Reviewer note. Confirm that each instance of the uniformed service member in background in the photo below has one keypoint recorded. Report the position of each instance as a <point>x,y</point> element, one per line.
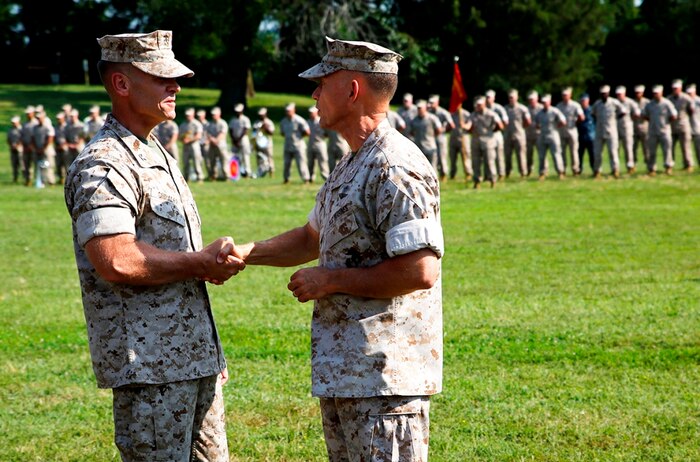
<point>515,141</point>
<point>93,122</point>
<point>424,130</point>
<point>549,121</point>
<point>396,121</point>
<point>14,144</point>
<point>484,124</point>
<point>318,151</point>
<point>447,126</point>
<point>168,133</point>
<point>239,127</point>
<point>586,133</point>
<point>28,151</point>
<point>500,141</point>
<point>43,136</point>
<point>337,148</point>
<point>641,125</point>
<point>680,128</point>
<point>460,146</point>
<point>531,132</point>
<point>218,155</point>
<point>606,111</point>
<point>376,329</point>
<point>569,133</point>
<point>61,147</point>
<point>408,110</point>
<point>263,128</point>
<point>201,116</point>
<point>142,266</point>
<point>190,134</point>
<point>625,126</point>
<point>660,113</point>
<point>294,128</point>
<point>691,90</point>
<point>75,135</point>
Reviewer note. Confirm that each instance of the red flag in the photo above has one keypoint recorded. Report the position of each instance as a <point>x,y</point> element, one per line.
<point>458,92</point>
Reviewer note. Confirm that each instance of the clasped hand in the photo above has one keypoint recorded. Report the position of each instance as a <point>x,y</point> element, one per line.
<point>221,264</point>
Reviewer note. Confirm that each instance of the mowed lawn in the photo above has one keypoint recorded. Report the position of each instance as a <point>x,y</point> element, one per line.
<point>572,323</point>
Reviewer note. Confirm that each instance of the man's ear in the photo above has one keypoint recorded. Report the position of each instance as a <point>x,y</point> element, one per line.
<point>120,83</point>
<point>355,90</point>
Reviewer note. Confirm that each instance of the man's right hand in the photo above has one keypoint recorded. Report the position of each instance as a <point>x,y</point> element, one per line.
<point>222,263</point>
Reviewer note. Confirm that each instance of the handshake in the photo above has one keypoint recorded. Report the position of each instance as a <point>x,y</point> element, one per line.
<point>221,261</point>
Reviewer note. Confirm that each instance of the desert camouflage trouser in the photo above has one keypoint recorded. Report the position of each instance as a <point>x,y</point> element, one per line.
<point>181,421</point>
<point>378,429</point>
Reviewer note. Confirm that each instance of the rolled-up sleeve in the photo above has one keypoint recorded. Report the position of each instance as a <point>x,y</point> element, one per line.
<point>104,204</point>
<point>415,235</point>
<point>104,222</point>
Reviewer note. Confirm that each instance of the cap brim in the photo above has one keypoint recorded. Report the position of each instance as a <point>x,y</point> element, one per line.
<point>168,69</point>
<point>319,70</point>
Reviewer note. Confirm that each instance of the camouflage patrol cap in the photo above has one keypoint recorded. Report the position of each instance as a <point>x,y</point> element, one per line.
<point>678,83</point>
<point>238,108</point>
<point>605,89</point>
<point>657,89</point>
<point>189,111</point>
<point>30,110</point>
<point>567,91</point>
<point>490,94</point>
<point>639,89</point>
<point>15,119</point>
<point>354,56</point>
<point>690,88</point>
<point>152,53</point>
<point>546,98</point>
<point>532,95</point>
<point>421,103</point>
<point>262,111</point>
<point>620,89</point>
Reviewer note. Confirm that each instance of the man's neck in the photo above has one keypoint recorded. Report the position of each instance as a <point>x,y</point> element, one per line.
<point>356,135</point>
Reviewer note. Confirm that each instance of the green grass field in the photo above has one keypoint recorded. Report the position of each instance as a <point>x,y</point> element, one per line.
<point>572,319</point>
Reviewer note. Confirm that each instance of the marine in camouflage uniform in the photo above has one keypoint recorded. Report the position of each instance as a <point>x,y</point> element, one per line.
<point>660,113</point>
<point>14,144</point>
<point>151,331</point>
<point>625,126</point>
<point>28,150</point>
<point>408,110</point>
<point>531,132</point>
<point>263,128</point>
<point>239,127</point>
<point>75,136</point>
<point>191,132</point>
<point>548,121</point>
<point>318,151</point>
<point>61,146</point>
<point>498,135</point>
<point>448,125</point>
<point>376,333</point>
<point>460,145</point>
<point>569,133</point>
<point>424,130</point>
<point>641,126</point>
<point>337,148</point>
<point>484,124</point>
<point>93,122</point>
<point>218,155</point>
<point>42,140</point>
<point>294,128</point>
<point>681,132</point>
<point>691,90</point>
<point>167,133</point>
<point>605,112</point>
<point>515,137</point>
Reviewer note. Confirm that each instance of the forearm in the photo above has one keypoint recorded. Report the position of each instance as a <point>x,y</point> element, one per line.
<point>396,276</point>
<point>393,277</point>
<point>122,259</point>
<point>295,247</point>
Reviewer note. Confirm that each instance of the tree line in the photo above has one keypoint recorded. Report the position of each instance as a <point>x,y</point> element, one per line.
<point>543,45</point>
